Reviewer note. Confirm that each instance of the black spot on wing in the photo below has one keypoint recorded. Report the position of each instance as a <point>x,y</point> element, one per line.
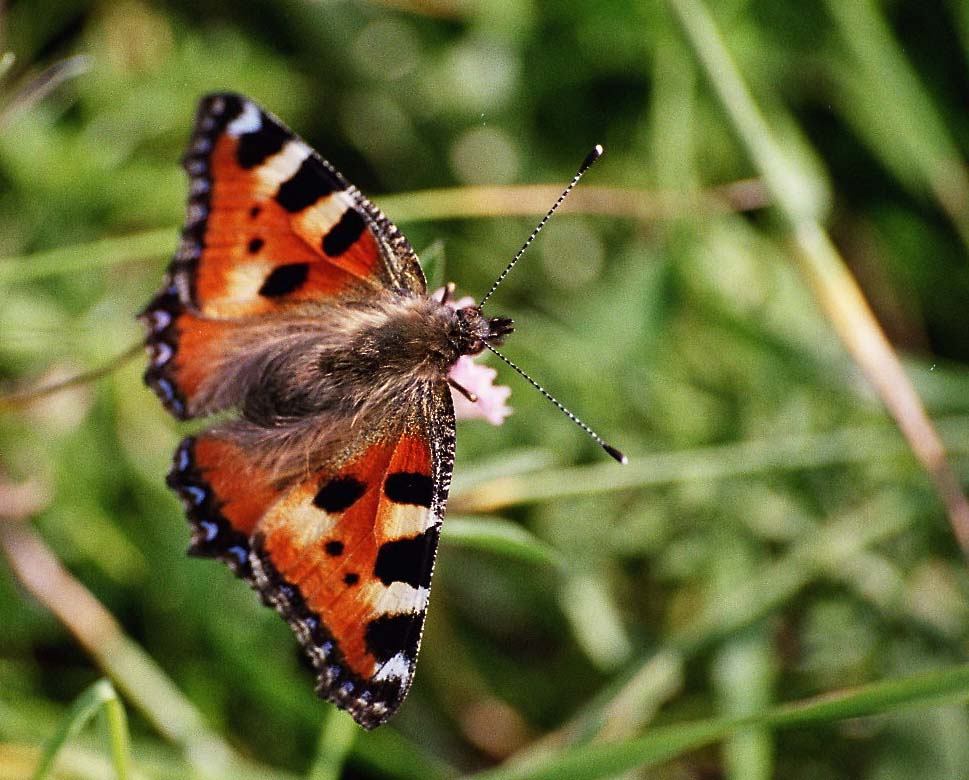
<point>388,635</point>
<point>407,560</point>
<point>232,107</point>
<point>334,548</point>
<point>344,233</point>
<point>255,245</point>
<point>255,148</point>
<point>311,182</point>
<point>351,578</point>
<point>407,487</point>
<point>339,494</point>
<point>285,279</point>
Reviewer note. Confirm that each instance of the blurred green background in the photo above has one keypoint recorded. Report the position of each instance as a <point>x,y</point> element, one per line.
<point>773,538</point>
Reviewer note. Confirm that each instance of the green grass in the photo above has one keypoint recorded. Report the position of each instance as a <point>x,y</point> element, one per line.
<point>759,294</point>
<point>98,700</point>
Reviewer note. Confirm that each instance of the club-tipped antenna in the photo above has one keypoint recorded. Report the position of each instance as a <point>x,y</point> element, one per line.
<point>590,158</point>
<point>613,452</point>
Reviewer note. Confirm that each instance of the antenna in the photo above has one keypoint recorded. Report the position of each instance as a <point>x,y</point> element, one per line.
<point>591,157</point>
<point>595,436</point>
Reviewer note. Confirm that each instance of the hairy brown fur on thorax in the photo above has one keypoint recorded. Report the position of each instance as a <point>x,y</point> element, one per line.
<point>310,380</point>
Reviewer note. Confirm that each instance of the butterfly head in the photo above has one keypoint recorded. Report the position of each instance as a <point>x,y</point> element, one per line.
<point>475,330</point>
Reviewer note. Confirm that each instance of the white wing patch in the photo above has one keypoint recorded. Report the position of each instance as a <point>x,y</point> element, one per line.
<point>281,166</point>
<point>397,598</point>
<point>401,521</point>
<point>398,668</point>
<point>249,121</point>
<point>304,523</point>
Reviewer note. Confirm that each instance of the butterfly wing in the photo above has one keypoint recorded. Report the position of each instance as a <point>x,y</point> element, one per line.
<point>270,226</point>
<point>343,549</point>
<point>345,554</point>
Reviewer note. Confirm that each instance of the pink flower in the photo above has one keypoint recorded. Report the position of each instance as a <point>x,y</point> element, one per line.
<point>479,380</point>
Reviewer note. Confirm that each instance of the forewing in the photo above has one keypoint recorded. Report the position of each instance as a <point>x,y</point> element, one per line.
<point>270,226</point>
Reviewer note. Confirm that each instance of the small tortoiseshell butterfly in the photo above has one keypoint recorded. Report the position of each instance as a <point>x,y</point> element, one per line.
<point>295,302</point>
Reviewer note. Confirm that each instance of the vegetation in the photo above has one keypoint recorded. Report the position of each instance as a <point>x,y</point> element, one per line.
<point>759,294</point>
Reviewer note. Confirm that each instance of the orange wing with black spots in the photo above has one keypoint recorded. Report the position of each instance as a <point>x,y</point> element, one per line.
<point>270,225</point>
<point>287,281</point>
<point>347,558</point>
<point>345,555</point>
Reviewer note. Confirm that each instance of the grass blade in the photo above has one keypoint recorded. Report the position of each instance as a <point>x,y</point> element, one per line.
<point>663,744</point>
<point>455,203</point>
<point>499,536</point>
<point>336,739</point>
<point>836,289</point>
<point>85,257</point>
<point>912,138</point>
<point>850,445</point>
<point>99,698</point>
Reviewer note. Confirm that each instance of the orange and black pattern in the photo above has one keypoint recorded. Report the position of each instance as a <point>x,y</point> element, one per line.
<point>345,550</point>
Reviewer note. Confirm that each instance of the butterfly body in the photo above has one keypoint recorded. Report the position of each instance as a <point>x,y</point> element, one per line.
<point>295,304</point>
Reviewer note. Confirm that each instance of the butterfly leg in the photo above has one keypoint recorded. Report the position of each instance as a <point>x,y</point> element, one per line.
<point>472,397</point>
<point>448,292</point>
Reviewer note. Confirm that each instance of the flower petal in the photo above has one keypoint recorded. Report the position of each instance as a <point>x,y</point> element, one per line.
<point>479,380</point>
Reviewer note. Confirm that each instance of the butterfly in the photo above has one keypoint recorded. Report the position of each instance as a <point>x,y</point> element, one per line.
<point>295,304</point>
